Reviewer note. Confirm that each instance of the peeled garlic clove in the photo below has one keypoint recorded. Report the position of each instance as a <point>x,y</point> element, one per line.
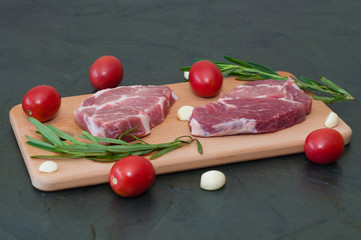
<point>186,75</point>
<point>184,113</point>
<point>331,120</point>
<point>48,167</point>
<point>212,180</point>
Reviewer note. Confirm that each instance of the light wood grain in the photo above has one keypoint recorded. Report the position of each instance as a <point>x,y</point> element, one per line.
<point>217,150</point>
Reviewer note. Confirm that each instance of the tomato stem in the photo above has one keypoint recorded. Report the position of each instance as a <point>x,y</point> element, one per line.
<point>114,180</point>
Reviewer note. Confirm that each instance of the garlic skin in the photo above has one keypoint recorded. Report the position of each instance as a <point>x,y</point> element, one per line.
<point>48,167</point>
<point>184,113</point>
<point>212,180</point>
<point>331,120</point>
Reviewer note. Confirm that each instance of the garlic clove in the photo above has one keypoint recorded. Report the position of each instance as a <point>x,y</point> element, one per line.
<point>186,75</point>
<point>184,113</point>
<point>331,120</point>
<point>212,180</point>
<point>48,167</point>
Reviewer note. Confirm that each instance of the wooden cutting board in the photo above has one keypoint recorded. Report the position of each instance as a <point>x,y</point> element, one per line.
<point>217,150</point>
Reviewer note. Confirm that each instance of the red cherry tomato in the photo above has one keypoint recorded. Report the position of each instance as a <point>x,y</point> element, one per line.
<point>41,102</point>
<point>131,176</point>
<point>106,72</point>
<point>205,78</point>
<point>324,146</point>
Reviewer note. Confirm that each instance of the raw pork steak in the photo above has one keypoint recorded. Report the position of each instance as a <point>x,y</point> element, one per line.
<point>110,112</point>
<point>286,90</point>
<point>254,107</point>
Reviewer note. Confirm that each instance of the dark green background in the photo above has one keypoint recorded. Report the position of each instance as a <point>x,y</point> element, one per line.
<point>55,42</point>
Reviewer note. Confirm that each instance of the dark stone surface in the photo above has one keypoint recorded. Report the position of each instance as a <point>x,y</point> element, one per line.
<point>55,42</point>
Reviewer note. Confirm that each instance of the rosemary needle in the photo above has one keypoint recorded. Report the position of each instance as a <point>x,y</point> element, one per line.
<point>73,148</point>
<point>249,71</point>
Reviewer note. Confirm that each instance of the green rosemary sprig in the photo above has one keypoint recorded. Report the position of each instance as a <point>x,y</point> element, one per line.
<point>66,146</point>
<point>249,71</point>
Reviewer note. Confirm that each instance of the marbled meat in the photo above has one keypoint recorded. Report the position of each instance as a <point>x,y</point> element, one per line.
<point>111,112</point>
<point>254,107</point>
